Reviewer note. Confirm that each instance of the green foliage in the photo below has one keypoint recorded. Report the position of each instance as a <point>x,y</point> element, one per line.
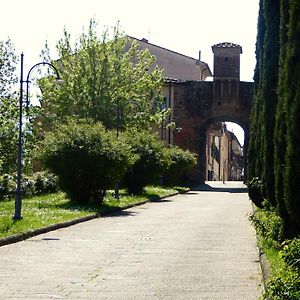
<point>7,186</point>
<point>39,183</point>
<point>277,101</point>
<point>87,159</point>
<point>45,183</point>
<point>255,191</point>
<point>181,161</point>
<point>283,285</point>
<point>255,161</point>
<point>268,225</point>
<point>36,184</point>
<point>283,257</point>
<point>291,253</point>
<point>9,114</point>
<point>8,107</point>
<point>268,93</point>
<point>8,61</point>
<point>274,151</point>
<point>108,79</point>
<point>280,142</point>
<point>152,160</point>
<point>292,102</point>
<point>261,145</point>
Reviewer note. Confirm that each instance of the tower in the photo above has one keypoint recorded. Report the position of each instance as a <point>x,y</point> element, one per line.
<point>226,72</point>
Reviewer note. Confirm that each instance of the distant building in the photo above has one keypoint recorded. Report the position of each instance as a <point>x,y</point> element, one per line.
<point>176,66</point>
<point>224,154</point>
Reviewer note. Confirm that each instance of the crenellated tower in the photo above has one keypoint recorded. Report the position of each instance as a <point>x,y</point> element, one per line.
<point>226,72</point>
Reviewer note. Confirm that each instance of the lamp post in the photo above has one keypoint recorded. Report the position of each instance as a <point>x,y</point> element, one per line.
<point>18,193</point>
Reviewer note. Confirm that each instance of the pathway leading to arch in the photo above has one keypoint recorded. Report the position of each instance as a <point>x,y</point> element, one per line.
<point>198,245</point>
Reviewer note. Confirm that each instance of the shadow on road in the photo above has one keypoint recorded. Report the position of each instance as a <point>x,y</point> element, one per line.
<point>119,213</point>
<point>158,200</point>
<point>224,189</point>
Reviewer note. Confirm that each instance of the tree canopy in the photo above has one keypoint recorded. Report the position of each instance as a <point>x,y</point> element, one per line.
<point>8,107</point>
<point>108,79</point>
<point>274,140</point>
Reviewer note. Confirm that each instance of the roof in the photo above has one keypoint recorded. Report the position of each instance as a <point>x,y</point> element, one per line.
<point>226,45</point>
<point>236,146</point>
<point>176,65</point>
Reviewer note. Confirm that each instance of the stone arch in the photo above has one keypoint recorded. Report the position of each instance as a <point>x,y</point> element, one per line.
<point>195,107</point>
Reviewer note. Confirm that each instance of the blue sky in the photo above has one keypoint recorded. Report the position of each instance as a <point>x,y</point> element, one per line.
<point>183,26</point>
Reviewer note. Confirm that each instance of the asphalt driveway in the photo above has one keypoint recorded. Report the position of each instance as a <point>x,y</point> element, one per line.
<point>198,245</point>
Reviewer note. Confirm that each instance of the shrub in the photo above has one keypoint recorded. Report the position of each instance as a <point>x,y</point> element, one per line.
<point>291,253</point>
<point>87,159</point>
<point>152,161</point>
<point>284,285</point>
<point>255,188</point>
<point>45,183</point>
<point>268,225</point>
<point>181,161</point>
<point>7,186</point>
<point>28,186</point>
<point>37,184</point>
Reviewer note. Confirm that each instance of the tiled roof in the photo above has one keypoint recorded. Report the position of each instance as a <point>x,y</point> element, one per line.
<point>226,45</point>
<point>176,66</point>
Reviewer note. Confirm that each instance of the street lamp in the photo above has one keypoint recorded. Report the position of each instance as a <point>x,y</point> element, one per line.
<point>18,194</point>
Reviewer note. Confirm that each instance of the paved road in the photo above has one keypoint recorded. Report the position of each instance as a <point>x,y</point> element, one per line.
<point>198,245</point>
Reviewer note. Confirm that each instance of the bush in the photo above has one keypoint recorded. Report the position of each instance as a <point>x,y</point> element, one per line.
<point>37,184</point>
<point>181,161</point>
<point>255,188</point>
<point>7,186</point>
<point>45,183</point>
<point>152,161</point>
<point>291,253</point>
<point>268,225</point>
<point>28,186</point>
<point>284,285</point>
<point>87,159</point>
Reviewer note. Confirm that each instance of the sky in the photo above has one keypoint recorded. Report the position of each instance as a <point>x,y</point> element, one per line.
<point>186,27</point>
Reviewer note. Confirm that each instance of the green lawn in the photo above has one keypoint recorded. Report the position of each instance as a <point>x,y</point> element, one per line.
<point>54,208</point>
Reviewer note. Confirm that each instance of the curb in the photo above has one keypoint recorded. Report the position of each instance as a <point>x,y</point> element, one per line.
<point>265,267</point>
<point>26,235</point>
<point>263,261</point>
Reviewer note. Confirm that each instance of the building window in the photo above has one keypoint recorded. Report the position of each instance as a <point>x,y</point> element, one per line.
<point>226,59</point>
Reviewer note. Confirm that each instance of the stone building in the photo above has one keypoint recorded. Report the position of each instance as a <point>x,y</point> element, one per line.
<point>196,105</point>
<point>224,154</point>
<point>177,68</point>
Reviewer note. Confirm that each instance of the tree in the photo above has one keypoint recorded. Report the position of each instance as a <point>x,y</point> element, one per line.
<point>280,142</point>
<point>255,143</point>
<point>277,103</point>
<point>269,99</point>
<point>292,102</point>
<point>261,148</point>
<point>8,107</point>
<point>107,79</point>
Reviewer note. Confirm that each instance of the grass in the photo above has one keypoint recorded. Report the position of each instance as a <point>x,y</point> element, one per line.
<point>50,209</point>
<point>284,281</point>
